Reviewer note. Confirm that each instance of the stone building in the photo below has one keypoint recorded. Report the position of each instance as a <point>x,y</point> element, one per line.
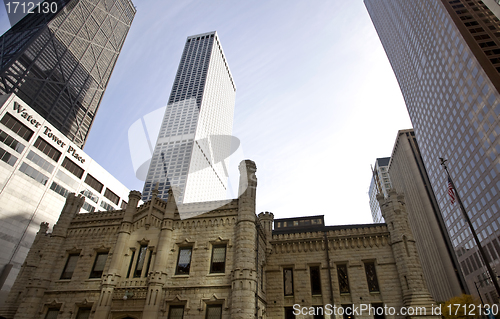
<point>145,262</point>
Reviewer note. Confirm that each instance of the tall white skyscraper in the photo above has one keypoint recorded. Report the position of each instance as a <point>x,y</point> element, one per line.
<point>194,140</point>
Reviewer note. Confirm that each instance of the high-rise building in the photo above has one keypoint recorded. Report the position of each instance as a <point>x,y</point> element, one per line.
<point>380,183</point>
<point>194,140</point>
<point>446,57</point>
<point>39,167</point>
<point>59,59</point>
<point>409,176</point>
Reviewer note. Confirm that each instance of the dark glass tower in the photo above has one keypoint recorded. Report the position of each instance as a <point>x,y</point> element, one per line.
<point>446,57</point>
<point>60,62</point>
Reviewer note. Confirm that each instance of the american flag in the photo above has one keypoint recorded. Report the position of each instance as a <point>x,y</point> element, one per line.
<point>450,191</point>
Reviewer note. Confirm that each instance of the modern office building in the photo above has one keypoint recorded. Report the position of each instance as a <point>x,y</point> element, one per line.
<point>229,263</point>
<point>194,140</point>
<point>439,262</point>
<point>380,183</point>
<point>39,167</point>
<point>59,60</point>
<point>446,57</point>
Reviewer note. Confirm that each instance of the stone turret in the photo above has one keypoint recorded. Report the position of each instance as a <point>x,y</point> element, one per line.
<point>158,275</point>
<point>415,293</point>
<point>244,275</point>
<point>266,220</point>
<point>113,276</point>
<point>40,281</point>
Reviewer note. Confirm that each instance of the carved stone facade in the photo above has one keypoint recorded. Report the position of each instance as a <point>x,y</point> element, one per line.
<point>145,262</point>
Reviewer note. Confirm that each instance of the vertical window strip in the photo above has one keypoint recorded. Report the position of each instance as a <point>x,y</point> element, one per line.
<point>131,262</point>
<point>141,257</point>
<point>288,281</point>
<point>343,279</point>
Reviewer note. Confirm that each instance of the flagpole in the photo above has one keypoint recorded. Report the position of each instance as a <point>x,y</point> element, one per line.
<point>476,239</point>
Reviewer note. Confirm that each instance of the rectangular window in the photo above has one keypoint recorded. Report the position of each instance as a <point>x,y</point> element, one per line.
<point>52,313</point>
<point>47,149</point>
<point>289,313</point>
<point>94,183</point>
<point>131,262</point>
<point>288,281</point>
<point>315,280</point>
<point>89,208</point>
<point>214,312</point>
<point>7,157</point>
<point>184,261</point>
<point>33,173</point>
<point>141,257</point>
<point>319,312</point>
<point>70,266</point>
<point>11,142</point>
<point>66,179</point>
<point>378,312</point>
<point>83,313</point>
<point>17,127</point>
<point>348,312</point>
<point>43,164</point>
<point>371,277</point>
<point>343,279</point>
<point>176,312</point>
<point>72,167</point>
<point>99,263</point>
<point>218,264</point>
<point>123,205</point>
<point>111,196</point>
<point>59,189</point>
<point>106,206</point>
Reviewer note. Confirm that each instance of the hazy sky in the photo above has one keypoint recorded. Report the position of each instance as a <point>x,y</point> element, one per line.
<point>316,101</point>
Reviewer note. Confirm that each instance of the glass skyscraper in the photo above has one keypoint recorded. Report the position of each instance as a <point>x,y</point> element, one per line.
<point>60,62</point>
<point>446,57</point>
<point>194,140</point>
<point>380,179</point>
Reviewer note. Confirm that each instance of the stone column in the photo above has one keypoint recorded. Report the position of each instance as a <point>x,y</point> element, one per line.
<point>415,293</point>
<point>158,275</point>
<point>112,277</point>
<point>244,274</point>
<point>41,279</point>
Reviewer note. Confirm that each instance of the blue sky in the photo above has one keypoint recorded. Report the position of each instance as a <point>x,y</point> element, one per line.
<point>316,101</point>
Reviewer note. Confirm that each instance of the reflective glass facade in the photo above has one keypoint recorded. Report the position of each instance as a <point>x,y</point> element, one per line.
<point>194,142</point>
<point>445,55</point>
<point>60,63</point>
<point>384,182</point>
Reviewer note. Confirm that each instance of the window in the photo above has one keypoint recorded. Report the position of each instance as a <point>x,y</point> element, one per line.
<point>214,312</point>
<point>52,313</point>
<point>176,312</point>
<point>59,189</point>
<point>7,157</point>
<point>111,196</point>
<point>218,264</point>
<point>131,262</point>
<point>98,268</point>
<point>347,312</point>
<point>106,206</point>
<point>17,127</point>
<point>141,257</point>
<point>47,149</point>
<point>378,312</point>
<point>83,313</point>
<point>289,313</point>
<point>72,167</point>
<point>43,164</point>
<point>11,142</point>
<point>123,205</point>
<point>33,173</point>
<point>69,268</point>
<point>315,280</point>
<point>94,183</point>
<point>288,281</point>
<point>371,277</point>
<point>89,208</point>
<point>184,261</point>
<point>343,279</point>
